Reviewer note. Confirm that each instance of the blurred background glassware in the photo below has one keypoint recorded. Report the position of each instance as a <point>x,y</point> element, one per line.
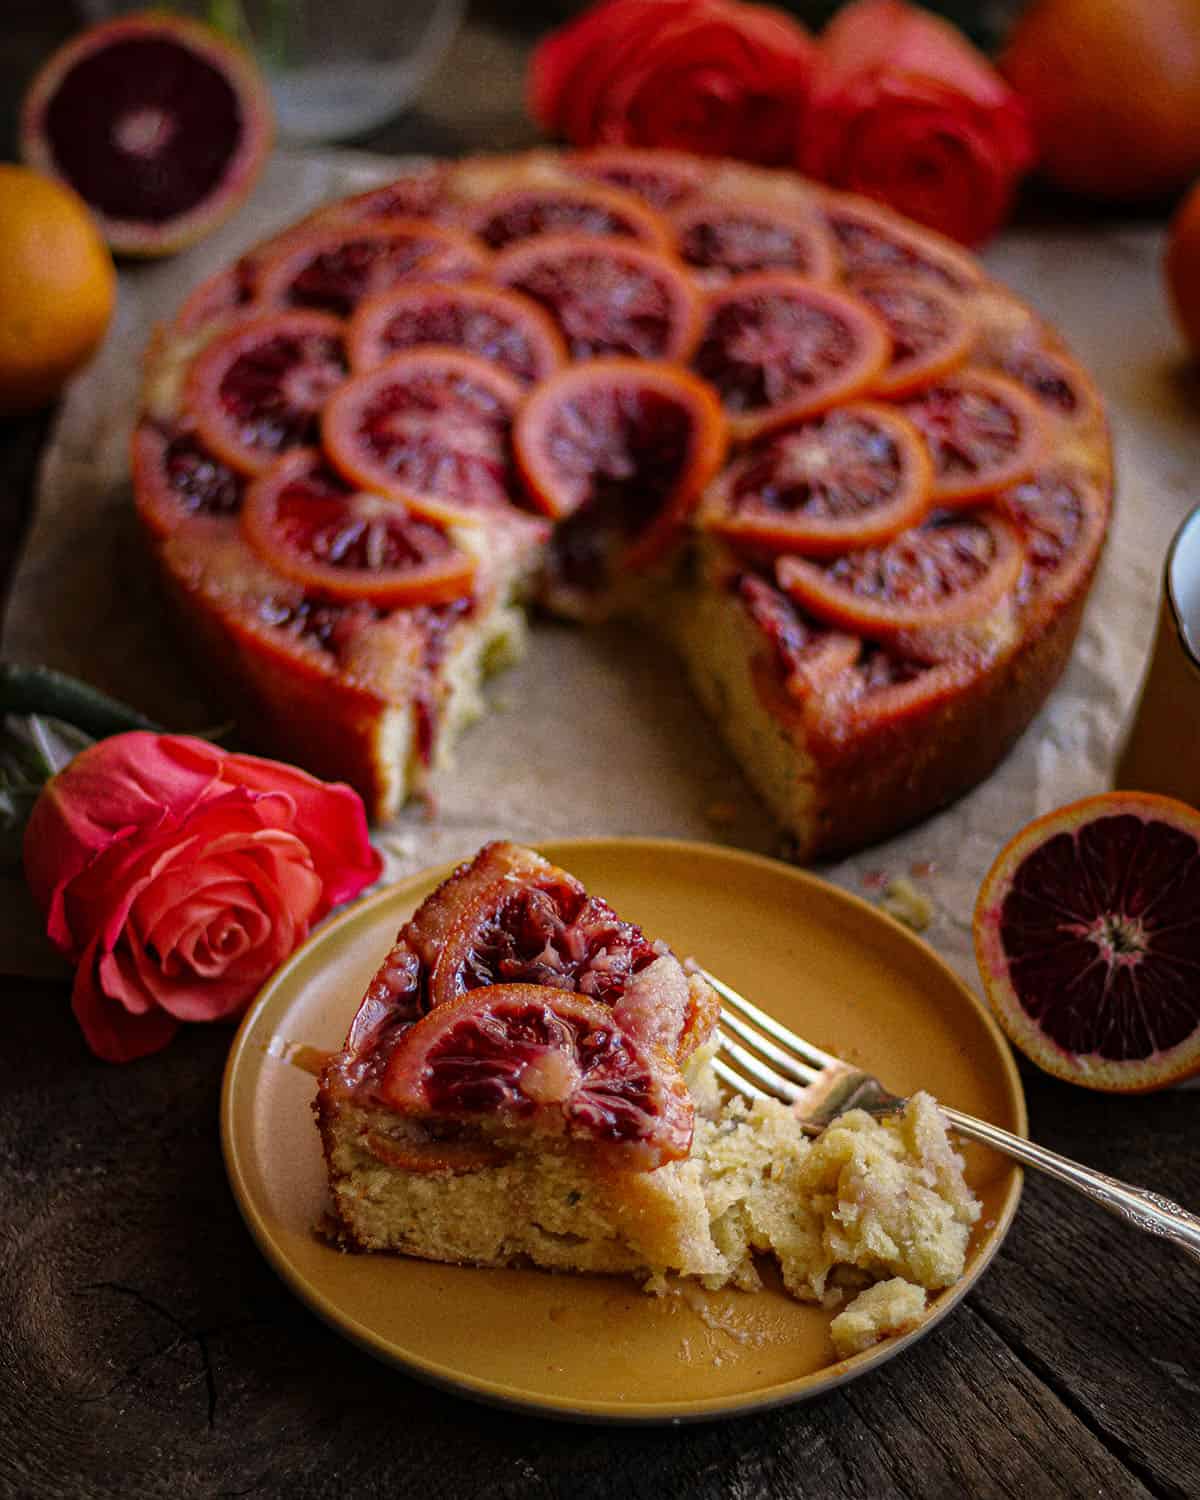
<point>336,68</point>
<point>1162,747</point>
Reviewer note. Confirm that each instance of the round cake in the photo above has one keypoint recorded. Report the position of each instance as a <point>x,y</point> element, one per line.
<point>858,487</point>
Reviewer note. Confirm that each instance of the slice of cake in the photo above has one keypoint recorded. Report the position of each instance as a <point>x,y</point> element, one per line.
<point>528,1081</point>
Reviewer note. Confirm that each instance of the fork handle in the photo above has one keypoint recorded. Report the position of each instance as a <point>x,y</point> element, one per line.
<point>1137,1206</point>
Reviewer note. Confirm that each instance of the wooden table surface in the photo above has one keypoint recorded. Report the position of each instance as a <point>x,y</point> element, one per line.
<point>147,1350</point>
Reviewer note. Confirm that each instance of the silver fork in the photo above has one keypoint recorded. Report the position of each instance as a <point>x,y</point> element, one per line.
<point>760,1058</point>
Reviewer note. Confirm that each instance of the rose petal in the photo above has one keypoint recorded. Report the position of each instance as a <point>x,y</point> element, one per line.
<point>329,819</point>
<point>110,1030</point>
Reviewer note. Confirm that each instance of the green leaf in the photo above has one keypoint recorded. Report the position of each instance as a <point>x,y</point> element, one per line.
<point>32,750</point>
<point>42,691</point>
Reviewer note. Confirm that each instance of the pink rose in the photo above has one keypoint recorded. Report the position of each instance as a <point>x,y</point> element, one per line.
<point>711,76</point>
<point>905,110</point>
<point>178,877</point>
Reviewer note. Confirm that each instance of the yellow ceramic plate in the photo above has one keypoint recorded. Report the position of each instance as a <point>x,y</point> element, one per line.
<point>597,1348</point>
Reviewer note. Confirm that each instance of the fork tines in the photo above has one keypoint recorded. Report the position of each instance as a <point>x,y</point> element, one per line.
<point>755,1044</point>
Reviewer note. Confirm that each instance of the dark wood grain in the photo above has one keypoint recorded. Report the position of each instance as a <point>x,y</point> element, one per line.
<point>146,1349</point>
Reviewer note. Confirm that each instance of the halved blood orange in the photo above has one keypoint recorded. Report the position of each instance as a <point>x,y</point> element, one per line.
<point>777,348</point>
<point>519,213</point>
<point>722,239</point>
<point>627,446</point>
<point>259,388</point>
<point>660,178</point>
<point>954,569</point>
<point>528,1059</point>
<point>334,267</point>
<point>1062,517</point>
<point>984,433</point>
<point>870,238</point>
<point>430,427</point>
<point>175,477</point>
<point>609,296</point>
<point>498,325</point>
<point>340,543</point>
<point>932,328</point>
<point>1087,936</point>
<point>852,478</point>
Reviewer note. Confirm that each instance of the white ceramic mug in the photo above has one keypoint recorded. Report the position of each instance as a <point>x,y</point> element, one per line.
<point>1162,748</point>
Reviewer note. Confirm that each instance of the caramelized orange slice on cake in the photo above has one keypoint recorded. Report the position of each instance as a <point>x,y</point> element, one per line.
<point>429,427</point>
<point>720,239</point>
<point>1062,517</point>
<point>334,267</point>
<point>954,569</point>
<point>984,433</point>
<point>259,388</point>
<point>521,213</point>
<point>608,296</point>
<point>777,348</point>
<point>340,543</point>
<point>528,1060</point>
<point>502,327</point>
<point>871,238</point>
<point>176,478</point>
<point>932,328</point>
<point>623,448</point>
<point>852,478</point>
<point>660,178</point>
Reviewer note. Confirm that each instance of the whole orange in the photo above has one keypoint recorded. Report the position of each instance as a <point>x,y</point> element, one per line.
<point>1183,267</point>
<point>57,288</point>
<point>1114,90</point>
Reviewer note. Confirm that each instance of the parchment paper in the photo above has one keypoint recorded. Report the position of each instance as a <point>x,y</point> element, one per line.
<point>596,732</point>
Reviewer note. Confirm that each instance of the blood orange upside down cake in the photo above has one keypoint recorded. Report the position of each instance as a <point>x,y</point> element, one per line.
<point>528,1081</point>
<point>860,488</point>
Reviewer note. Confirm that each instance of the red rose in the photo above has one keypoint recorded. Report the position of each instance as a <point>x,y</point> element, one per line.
<point>905,110</point>
<point>178,877</point>
<point>710,76</point>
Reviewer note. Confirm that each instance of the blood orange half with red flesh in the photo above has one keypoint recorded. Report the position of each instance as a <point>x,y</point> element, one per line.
<point>159,123</point>
<point>607,296</point>
<point>932,328</point>
<point>954,569</point>
<point>334,267</point>
<point>1087,935</point>
<point>721,239</point>
<point>854,477</point>
<point>984,433</point>
<point>176,478</point>
<point>623,448</point>
<point>341,543</point>
<point>259,388</point>
<point>430,427</point>
<point>777,348</point>
<point>522,213</point>
<point>525,1060</point>
<point>871,239</point>
<point>500,326</point>
<point>660,178</point>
